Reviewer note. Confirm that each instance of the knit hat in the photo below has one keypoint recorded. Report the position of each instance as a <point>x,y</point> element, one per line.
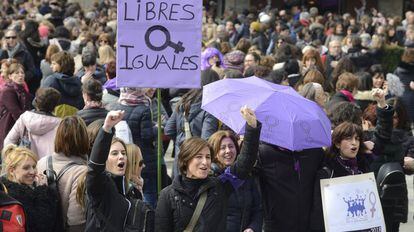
<point>234,60</point>
<point>256,26</point>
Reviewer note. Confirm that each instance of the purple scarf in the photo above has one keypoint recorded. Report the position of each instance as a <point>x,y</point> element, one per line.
<point>351,164</point>
<point>228,176</point>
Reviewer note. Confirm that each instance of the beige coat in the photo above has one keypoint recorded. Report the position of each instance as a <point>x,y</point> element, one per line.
<point>75,215</point>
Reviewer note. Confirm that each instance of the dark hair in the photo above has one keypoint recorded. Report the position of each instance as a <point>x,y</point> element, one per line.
<point>110,69</point>
<point>344,65</point>
<point>189,149</point>
<point>376,68</point>
<point>345,112</point>
<point>47,99</point>
<point>88,59</point>
<point>256,56</point>
<point>249,72</point>
<point>93,89</point>
<point>233,74</point>
<point>364,81</point>
<point>277,76</point>
<point>345,130</point>
<point>62,32</point>
<point>291,66</point>
<point>401,113</point>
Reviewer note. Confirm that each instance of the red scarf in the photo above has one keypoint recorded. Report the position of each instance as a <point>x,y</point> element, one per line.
<point>348,95</point>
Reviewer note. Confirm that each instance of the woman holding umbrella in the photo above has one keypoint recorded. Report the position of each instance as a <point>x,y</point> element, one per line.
<point>197,202</point>
<point>244,209</point>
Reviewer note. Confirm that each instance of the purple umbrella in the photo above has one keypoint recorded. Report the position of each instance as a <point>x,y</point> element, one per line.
<point>288,119</point>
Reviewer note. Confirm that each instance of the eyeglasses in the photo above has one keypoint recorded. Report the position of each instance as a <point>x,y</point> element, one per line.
<point>104,41</point>
<point>11,37</point>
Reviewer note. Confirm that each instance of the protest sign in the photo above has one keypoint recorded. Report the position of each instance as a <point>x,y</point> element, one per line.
<point>159,43</point>
<point>352,203</point>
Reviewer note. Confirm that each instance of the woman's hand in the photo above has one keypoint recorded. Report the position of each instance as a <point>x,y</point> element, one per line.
<point>408,163</point>
<point>138,182</point>
<point>379,96</point>
<point>112,118</point>
<point>40,179</point>
<point>249,116</point>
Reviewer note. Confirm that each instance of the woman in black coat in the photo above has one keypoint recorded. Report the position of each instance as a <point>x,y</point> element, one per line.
<point>23,183</point>
<point>107,204</point>
<point>244,208</point>
<point>178,201</point>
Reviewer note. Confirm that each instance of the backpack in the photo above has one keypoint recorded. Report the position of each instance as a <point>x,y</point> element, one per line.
<point>12,216</point>
<point>392,189</point>
<point>141,217</point>
<point>53,183</point>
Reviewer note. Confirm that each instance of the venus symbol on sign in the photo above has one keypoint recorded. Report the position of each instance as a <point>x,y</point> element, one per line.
<point>178,47</point>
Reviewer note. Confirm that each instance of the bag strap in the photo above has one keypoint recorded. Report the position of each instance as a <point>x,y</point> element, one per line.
<point>51,174</point>
<point>187,129</point>
<point>197,212</point>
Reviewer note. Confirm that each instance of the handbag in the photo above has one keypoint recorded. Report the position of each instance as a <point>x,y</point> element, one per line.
<point>197,212</point>
<point>24,140</point>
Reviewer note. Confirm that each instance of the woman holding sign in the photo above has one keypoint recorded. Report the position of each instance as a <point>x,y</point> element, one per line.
<point>349,156</point>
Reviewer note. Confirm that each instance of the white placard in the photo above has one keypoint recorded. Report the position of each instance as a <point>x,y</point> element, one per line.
<point>352,203</point>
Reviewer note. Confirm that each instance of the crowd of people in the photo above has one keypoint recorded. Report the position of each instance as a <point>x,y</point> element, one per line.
<point>66,165</point>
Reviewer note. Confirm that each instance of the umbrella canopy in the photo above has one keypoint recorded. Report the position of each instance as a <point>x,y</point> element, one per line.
<point>288,119</point>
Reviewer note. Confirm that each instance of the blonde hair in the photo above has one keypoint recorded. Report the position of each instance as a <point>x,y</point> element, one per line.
<point>106,54</point>
<point>133,152</point>
<point>13,155</point>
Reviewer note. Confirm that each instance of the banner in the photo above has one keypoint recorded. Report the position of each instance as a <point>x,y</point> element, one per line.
<point>159,43</point>
<point>352,203</point>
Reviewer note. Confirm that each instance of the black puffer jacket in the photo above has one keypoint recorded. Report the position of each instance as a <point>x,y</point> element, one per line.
<point>176,204</point>
<point>39,204</point>
<point>107,206</point>
<point>92,114</point>
<point>244,208</point>
<point>286,183</point>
